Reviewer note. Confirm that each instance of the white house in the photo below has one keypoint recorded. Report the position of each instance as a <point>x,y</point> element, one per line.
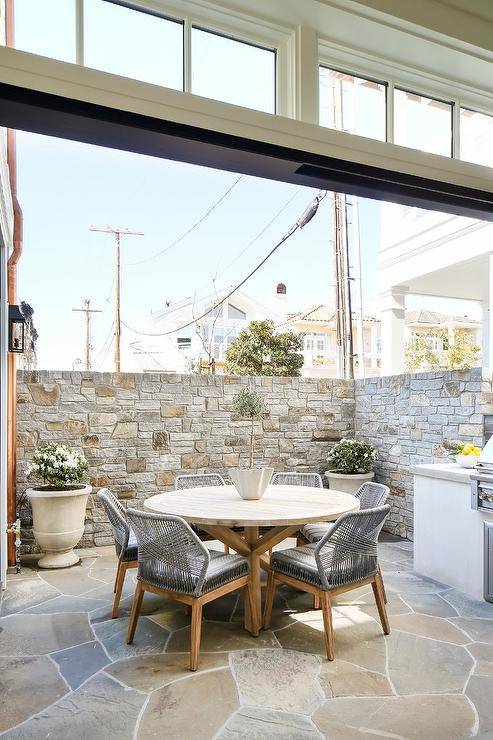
<point>178,337</point>
<point>432,254</point>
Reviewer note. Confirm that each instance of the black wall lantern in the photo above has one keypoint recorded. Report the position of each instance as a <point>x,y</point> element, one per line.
<point>16,329</point>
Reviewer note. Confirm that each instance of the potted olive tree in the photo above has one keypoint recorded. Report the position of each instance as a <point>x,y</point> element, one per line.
<point>250,482</point>
<point>351,462</point>
<point>59,505</point>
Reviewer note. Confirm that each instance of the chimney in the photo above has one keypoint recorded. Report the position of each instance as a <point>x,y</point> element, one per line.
<point>279,304</point>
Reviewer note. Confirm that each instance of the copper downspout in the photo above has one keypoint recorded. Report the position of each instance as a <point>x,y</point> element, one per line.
<point>12,298</point>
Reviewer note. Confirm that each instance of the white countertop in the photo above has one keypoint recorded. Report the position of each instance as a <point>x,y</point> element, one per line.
<point>445,471</point>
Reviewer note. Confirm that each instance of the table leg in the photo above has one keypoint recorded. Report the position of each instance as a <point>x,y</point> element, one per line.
<point>253,620</point>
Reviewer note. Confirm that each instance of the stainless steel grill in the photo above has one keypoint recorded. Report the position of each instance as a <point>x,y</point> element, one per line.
<point>482,480</point>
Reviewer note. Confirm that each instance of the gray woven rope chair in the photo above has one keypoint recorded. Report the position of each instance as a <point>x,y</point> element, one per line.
<point>125,542</point>
<point>369,494</point>
<point>174,562</point>
<point>297,479</point>
<point>345,558</point>
<point>194,480</point>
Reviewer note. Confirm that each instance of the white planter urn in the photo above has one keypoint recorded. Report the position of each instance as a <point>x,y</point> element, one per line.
<point>58,522</point>
<point>347,482</point>
<point>251,483</point>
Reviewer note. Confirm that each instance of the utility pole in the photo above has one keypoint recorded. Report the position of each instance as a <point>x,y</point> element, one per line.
<point>342,287</point>
<point>117,233</point>
<point>87,335</point>
<point>359,286</point>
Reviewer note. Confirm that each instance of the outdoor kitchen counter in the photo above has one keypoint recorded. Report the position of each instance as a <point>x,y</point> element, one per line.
<point>448,533</point>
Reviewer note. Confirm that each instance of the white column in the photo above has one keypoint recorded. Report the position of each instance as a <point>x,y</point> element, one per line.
<point>487,307</point>
<point>306,86</point>
<point>392,314</point>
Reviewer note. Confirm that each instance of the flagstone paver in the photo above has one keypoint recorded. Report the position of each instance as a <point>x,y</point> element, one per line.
<point>38,634</point>
<point>77,664</point>
<point>255,723</point>
<point>99,710</point>
<point>24,593</point>
<point>18,677</point>
<point>265,678</point>
<point>194,708</point>
<point>66,671</point>
<point>411,717</point>
<point>443,667</point>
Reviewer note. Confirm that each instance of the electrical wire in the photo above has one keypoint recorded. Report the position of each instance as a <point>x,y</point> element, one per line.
<point>305,217</point>
<point>190,229</point>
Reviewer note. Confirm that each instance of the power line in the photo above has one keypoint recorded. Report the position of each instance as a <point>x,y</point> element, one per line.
<point>189,230</point>
<point>305,217</point>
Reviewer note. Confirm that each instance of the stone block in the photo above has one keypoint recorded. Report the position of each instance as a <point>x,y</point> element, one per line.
<point>44,395</point>
<point>136,465</point>
<point>194,461</point>
<point>231,460</point>
<point>171,411</point>
<point>326,435</point>
<point>91,440</point>
<point>105,391</point>
<point>200,446</point>
<point>100,481</point>
<point>160,441</point>
<point>102,419</point>
<point>125,430</point>
<point>165,478</point>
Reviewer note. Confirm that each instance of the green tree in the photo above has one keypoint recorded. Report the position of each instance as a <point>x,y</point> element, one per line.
<point>460,354</point>
<point>259,350</point>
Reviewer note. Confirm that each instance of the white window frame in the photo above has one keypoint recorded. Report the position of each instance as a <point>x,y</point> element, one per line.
<point>235,25</point>
<point>395,75</point>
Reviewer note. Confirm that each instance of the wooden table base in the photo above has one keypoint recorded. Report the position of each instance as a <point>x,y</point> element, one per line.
<point>253,546</point>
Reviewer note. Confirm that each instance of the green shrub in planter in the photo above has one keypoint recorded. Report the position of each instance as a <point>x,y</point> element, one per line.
<point>350,456</point>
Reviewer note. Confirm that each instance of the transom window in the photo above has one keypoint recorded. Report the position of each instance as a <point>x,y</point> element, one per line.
<point>476,137</point>
<point>422,123</point>
<point>353,104</point>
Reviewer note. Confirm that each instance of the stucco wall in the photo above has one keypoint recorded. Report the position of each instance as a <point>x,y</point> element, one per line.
<point>139,431</point>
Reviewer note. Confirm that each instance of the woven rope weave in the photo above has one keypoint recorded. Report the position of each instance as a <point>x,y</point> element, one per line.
<point>369,494</point>
<point>125,544</point>
<point>195,480</point>
<point>346,554</point>
<point>297,479</point>
<point>171,556</point>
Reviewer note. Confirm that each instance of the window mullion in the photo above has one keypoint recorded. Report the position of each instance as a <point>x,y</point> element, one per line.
<point>187,54</point>
<point>79,32</point>
<point>390,112</point>
<point>456,129</point>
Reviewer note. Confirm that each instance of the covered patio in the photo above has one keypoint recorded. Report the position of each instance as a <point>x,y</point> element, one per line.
<point>64,660</point>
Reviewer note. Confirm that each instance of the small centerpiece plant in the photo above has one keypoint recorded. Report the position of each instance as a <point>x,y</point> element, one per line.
<point>350,464</point>
<point>59,504</point>
<point>58,465</point>
<point>250,483</point>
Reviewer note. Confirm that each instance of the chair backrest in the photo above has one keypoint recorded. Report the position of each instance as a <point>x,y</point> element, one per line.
<point>171,555</point>
<point>372,495</point>
<point>117,516</point>
<point>348,552</point>
<point>195,480</point>
<point>297,479</point>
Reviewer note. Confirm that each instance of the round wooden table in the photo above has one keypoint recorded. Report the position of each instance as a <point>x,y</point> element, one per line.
<point>283,510</point>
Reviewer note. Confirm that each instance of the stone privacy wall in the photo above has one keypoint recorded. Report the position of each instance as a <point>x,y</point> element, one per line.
<point>411,419</point>
<point>138,431</point>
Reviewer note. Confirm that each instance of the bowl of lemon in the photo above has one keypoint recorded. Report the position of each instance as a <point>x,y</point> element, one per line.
<point>467,455</point>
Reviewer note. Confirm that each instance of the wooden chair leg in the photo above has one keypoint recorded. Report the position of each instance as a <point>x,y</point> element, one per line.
<point>378,591</point>
<point>116,577</point>
<point>329,632</point>
<point>195,631</point>
<point>134,614</point>
<point>120,580</point>
<point>384,593</point>
<point>254,622</point>
<point>269,600</point>
<point>316,601</point>
<point>226,549</point>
